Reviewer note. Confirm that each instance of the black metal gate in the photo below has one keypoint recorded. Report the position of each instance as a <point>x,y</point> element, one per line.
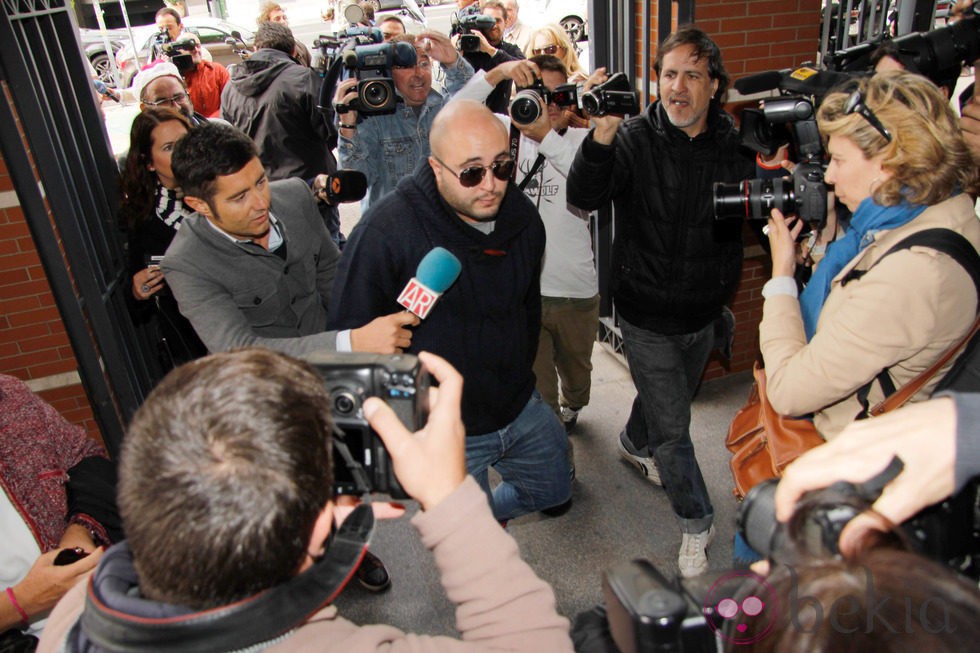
<point>54,142</point>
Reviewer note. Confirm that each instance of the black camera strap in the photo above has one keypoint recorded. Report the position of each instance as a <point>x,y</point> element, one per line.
<point>515,148</point>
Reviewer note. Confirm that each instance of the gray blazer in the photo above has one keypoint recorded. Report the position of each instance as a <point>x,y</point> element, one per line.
<point>240,295</point>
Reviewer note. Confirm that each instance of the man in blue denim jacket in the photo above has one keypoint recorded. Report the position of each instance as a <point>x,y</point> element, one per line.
<point>387,147</point>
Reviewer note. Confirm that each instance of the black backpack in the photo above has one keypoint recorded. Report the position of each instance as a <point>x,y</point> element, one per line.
<point>948,531</point>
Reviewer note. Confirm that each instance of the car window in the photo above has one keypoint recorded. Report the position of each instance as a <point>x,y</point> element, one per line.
<point>209,35</point>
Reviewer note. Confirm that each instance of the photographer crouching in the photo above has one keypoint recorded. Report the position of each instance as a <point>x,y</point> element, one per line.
<point>232,542</point>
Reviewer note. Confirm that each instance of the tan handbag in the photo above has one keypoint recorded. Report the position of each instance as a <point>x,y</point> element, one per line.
<point>762,441</point>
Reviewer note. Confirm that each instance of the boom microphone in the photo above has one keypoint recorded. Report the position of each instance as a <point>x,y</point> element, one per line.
<point>436,272</point>
<point>759,82</point>
<point>345,186</point>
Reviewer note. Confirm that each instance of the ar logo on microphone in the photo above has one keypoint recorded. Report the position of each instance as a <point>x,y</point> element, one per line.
<point>418,298</point>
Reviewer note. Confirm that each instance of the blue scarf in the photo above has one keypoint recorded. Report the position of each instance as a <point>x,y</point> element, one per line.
<point>868,219</point>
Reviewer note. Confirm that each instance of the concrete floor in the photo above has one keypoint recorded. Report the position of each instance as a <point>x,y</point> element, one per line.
<point>616,514</point>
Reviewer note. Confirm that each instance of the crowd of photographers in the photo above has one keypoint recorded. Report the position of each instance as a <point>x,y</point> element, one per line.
<point>476,197</point>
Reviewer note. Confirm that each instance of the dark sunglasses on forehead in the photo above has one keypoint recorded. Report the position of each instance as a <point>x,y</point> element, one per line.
<point>473,175</point>
<point>855,104</point>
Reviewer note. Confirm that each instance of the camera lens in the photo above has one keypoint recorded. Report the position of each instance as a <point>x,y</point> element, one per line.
<point>757,517</point>
<point>731,200</point>
<point>592,104</point>
<point>767,194</point>
<point>524,109</point>
<point>753,198</point>
<point>344,403</point>
<point>375,94</point>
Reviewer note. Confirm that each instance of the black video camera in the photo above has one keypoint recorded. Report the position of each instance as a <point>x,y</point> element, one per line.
<point>525,107</point>
<point>372,65</point>
<point>179,53</point>
<point>350,379</point>
<point>805,194</point>
<point>614,96</point>
<point>465,26</point>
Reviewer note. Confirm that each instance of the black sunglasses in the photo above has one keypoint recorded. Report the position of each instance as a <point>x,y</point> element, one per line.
<point>473,175</point>
<point>855,104</point>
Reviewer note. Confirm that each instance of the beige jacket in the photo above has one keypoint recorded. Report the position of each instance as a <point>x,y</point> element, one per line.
<point>500,604</point>
<point>902,315</point>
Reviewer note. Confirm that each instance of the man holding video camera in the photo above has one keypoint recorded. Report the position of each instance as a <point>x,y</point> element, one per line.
<point>273,99</point>
<point>205,79</point>
<point>232,543</point>
<point>388,146</point>
<point>482,44</point>
<point>676,266</point>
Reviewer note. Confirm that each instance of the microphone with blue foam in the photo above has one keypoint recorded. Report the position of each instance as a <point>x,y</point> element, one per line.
<point>437,271</point>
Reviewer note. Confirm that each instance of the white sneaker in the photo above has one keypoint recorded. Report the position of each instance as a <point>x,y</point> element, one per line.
<point>693,557</point>
<point>648,466</point>
<point>569,416</point>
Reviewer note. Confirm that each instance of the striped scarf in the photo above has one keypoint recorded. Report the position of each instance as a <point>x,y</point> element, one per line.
<point>170,206</point>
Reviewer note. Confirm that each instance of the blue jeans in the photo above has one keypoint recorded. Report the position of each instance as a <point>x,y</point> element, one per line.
<point>531,456</point>
<point>666,371</point>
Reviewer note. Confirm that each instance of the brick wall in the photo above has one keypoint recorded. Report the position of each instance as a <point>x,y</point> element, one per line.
<point>33,343</point>
<point>754,36</point>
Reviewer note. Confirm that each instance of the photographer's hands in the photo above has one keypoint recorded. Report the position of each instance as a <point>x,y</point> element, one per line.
<point>430,463</point>
<point>345,94</point>
<point>605,126</point>
<point>438,46</point>
<point>782,242</point>
<point>923,435</point>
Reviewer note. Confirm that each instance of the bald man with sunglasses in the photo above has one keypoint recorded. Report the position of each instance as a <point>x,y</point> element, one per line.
<point>487,323</point>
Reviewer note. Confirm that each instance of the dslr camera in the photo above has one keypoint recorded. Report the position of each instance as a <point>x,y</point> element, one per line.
<point>647,613</point>
<point>465,26</point>
<point>372,65</point>
<point>525,107</point>
<point>805,194</point>
<point>361,462</point>
<point>614,96</point>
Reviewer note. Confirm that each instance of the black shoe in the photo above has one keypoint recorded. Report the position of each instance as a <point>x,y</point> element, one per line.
<point>559,510</point>
<point>372,575</point>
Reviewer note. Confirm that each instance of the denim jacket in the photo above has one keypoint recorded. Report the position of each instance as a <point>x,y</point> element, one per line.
<point>387,147</point>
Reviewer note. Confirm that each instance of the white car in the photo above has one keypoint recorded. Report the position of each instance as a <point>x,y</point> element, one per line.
<point>573,15</point>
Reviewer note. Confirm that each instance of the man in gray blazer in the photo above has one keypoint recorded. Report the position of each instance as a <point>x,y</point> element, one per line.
<point>255,267</point>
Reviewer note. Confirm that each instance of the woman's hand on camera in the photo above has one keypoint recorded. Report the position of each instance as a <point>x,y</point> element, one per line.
<point>430,463</point>
<point>782,243</point>
<point>147,282</point>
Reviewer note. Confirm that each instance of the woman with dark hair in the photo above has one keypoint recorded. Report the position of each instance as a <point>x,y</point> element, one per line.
<point>868,318</point>
<point>151,212</point>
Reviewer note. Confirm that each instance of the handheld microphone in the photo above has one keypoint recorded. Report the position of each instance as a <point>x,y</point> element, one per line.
<point>345,186</point>
<point>436,272</point>
<point>105,91</point>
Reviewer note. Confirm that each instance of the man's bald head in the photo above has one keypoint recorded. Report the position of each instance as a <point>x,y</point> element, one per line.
<point>457,118</point>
